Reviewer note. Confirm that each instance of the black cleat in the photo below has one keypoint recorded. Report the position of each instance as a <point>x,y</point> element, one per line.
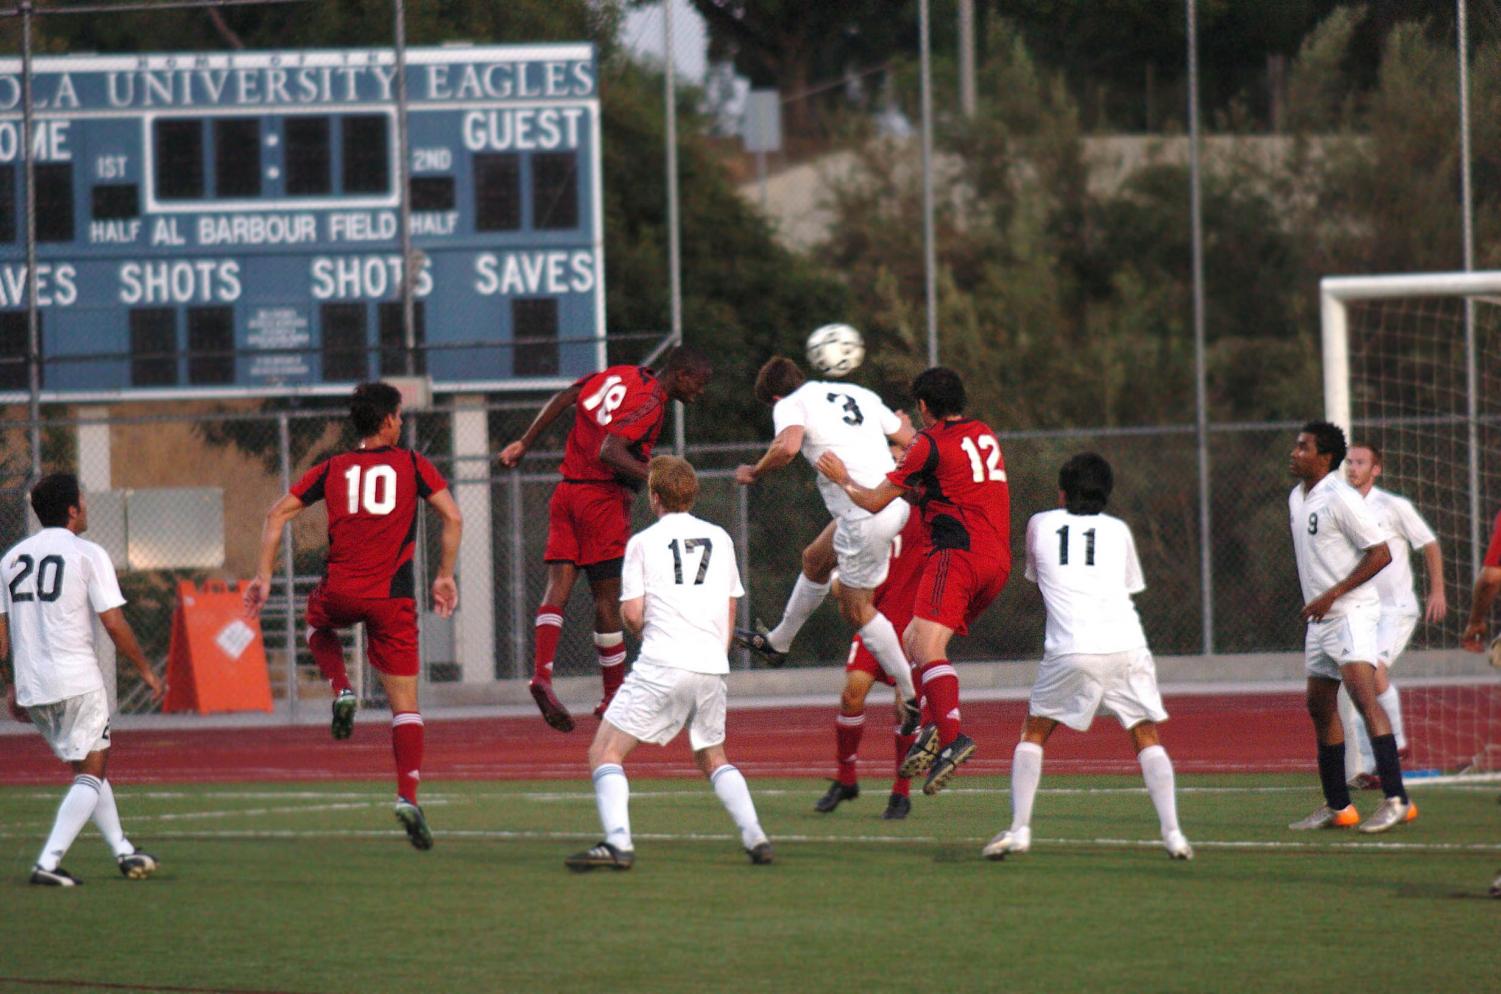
<point>136,865</point>
<point>553,711</point>
<point>345,705</point>
<point>603,854</point>
<point>760,854</point>
<point>911,716</point>
<point>837,792</point>
<point>947,763</point>
<point>897,808</point>
<point>758,643</point>
<point>921,755</point>
<point>54,878</point>
<point>412,819</point>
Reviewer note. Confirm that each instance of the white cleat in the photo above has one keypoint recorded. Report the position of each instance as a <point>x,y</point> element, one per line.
<point>1393,811</point>
<point>1009,841</point>
<point>1176,844</point>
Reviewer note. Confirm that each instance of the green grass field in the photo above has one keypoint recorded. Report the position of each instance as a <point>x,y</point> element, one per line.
<point>312,888</point>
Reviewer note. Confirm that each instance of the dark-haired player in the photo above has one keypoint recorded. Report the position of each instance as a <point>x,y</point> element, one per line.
<point>617,416</point>
<point>372,493</point>
<point>51,587</point>
<point>1095,652</point>
<point>1340,546</point>
<point>955,473</point>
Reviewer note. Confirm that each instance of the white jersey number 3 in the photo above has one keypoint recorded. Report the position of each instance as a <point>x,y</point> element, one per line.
<point>606,398</point>
<point>377,495</point>
<point>990,467</point>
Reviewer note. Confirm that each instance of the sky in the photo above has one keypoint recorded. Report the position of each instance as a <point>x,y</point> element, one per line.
<point>643,33</point>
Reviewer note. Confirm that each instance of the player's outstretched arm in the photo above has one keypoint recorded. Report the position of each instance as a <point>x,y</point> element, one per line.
<point>1438,603</point>
<point>1376,558</point>
<point>903,436</point>
<point>280,515</point>
<point>445,590</point>
<point>615,452</point>
<point>783,449</point>
<point>1487,584</point>
<point>872,500</point>
<point>510,456</point>
<point>16,711</point>
<point>124,638</point>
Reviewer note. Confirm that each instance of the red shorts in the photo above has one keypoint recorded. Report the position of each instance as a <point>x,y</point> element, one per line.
<point>956,586</point>
<point>861,661</point>
<point>587,523</point>
<point>390,626</point>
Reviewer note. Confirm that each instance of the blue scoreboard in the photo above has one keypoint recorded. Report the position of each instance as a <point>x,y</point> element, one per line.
<point>229,224</point>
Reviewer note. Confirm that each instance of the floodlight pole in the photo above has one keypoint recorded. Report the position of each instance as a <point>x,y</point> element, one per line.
<point>1201,393</point>
<point>930,260</point>
<point>674,235</point>
<point>403,188</point>
<point>33,316</point>
<point>1467,218</point>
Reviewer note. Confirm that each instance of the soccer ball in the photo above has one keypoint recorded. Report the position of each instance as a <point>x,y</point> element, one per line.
<point>835,349</point>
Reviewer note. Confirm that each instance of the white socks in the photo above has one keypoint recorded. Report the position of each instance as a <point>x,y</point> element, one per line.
<point>882,641</point>
<point>1392,703</point>
<point>1026,774</point>
<point>107,819</point>
<point>78,803</point>
<point>612,795</point>
<point>1157,771</point>
<point>734,794</point>
<point>801,603</point>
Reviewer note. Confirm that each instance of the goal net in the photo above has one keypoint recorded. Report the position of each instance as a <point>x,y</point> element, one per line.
<point>1412,364</point>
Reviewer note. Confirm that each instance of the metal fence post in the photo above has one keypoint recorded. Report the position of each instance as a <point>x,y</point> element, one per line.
<point>518,580</point>
<point>742,526</point>
<point>288,565</point>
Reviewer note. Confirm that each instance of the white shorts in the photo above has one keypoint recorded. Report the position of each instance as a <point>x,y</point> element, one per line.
<point>1072,689</point>
<point>862,544</point>
<point>74,726</point>
<point>1393,632</point>
<point>655,702</point>
<point>1333,642</point>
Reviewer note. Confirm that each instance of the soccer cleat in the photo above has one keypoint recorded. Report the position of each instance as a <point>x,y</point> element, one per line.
<point>758,643</point>
<point>837,792</point>
<point>1496,886</point>
<point>760,854</point>
<point>1327,817</point>
<point>345,705</point>
<point>136,865</point>
<point>1176,844</point>
<point>924,750</point>
<point>553,711</point>
<point>412,819</point>
<point>603,854</point>
<point>1393,811</point>
<point>1412,811</point>
<point>54,878</point>
<point>897,807</point>
<point>1010,841</point>
<point>911,716</point>
<point>604,705</point>
<point>1364,781</point>
<point>948,762</point>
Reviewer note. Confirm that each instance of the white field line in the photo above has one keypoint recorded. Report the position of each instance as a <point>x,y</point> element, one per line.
<point>900,840</point>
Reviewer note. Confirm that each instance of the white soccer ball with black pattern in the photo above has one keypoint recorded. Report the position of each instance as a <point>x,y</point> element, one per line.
<point>835,349</point>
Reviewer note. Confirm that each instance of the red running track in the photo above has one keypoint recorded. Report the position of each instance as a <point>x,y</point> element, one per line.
<point>1247,733</point>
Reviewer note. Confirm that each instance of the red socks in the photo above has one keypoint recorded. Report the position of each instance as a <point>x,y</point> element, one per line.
<point>848,728</point>
<point>406,743</point>
<point>940,686</point>
<point>549,630</point>
<point>328,653</point>
<point>610,647</point>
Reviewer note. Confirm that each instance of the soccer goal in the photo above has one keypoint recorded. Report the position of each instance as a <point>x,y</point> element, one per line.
<point>1412,364</point>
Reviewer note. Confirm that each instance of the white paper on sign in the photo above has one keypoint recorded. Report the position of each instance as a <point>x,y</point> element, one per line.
<point>234,638</point>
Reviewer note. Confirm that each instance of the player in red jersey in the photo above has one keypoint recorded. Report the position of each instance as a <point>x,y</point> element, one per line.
<point>372,495</point>
<point>618,414</point>
<point>955,473</point>
<point>1486,586</point>
<point>893,598</point>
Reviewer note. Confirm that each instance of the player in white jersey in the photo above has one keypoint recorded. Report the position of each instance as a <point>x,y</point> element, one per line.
<point>677,593</point>
<point>52,585</point>
<point>814,417</point>
<point>1340,546</point>
<point>1094,654</point>
<point>1400,610</point>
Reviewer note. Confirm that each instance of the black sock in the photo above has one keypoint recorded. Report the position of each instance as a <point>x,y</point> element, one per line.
<point>1388,765</point>
<point>1332,775</point>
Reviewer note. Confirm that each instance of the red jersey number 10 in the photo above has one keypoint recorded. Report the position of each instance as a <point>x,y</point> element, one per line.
<point>376,494</point>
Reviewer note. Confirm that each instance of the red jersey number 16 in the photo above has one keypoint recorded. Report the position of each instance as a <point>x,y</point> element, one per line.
<point>377,495</point>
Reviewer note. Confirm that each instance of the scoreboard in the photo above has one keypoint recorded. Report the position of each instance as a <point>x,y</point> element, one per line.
<point>229,224</point>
